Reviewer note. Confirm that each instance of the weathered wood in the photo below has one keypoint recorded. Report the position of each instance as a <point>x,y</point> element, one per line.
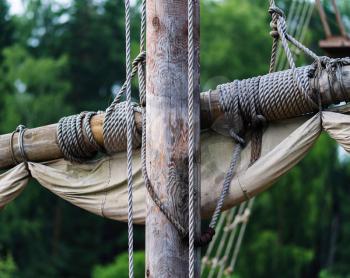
<point>167,135</point>
<point>41,143</point>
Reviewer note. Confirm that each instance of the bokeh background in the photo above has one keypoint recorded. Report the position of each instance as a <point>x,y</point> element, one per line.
<point>65,56</point>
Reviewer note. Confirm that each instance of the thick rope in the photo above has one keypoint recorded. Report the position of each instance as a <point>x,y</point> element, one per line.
<point>244,219</point>
<point>115,129</point>
<point>191,142</point>
<point>226,185</point>
<point>70,137</point>
<point>231,241</point>
<point>21,129</point>
<point>130,131</point>
<point>222,243</point>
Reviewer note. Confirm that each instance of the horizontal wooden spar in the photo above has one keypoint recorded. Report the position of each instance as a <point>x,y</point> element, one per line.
<point>41,144</point>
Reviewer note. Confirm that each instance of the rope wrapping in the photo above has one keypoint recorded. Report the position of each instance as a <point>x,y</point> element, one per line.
<point>256,100</point>
<point>115,129</point>
<point>70,137</point>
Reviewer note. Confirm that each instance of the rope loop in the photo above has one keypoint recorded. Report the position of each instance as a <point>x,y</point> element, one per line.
<point>72,140</point>
<point>115,129</point>
<point>259,121</point>
<point>205,238</point>
<point>275,13</point>
<point>274,10</point>
<point>21,130</point>
<point>238,139</point>
<point>138,61</point>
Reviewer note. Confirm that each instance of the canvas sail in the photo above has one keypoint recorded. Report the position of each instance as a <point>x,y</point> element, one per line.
<point>100,186</point>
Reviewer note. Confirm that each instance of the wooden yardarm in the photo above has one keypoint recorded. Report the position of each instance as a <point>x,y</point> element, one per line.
<point>167,135</point>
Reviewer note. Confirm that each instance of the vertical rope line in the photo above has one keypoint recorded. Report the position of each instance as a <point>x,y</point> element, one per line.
<point>290,16</point>
<point>307,23</point>
<point>291,30</point>
<point>191,142</point>
<point>223,242</point>
<point>130,123</point>
<point>299,24</point>
<point>240,237</point>
<point>302,19</point>
<point>206,259</point>
<point>226,185</point>
<point>141,66</point>
<point>274,43</point>
<point>230,241</point>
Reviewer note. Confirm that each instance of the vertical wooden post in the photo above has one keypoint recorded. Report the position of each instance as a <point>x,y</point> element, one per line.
<point>167,135</point>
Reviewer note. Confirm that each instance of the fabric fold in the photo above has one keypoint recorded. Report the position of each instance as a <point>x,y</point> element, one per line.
<point>100,186</point>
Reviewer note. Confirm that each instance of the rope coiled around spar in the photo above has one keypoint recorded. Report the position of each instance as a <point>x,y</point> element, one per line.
<point>71,139</point>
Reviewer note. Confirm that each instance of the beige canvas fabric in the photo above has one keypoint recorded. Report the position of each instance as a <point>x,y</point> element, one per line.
<point>101,186</point>
<point>12,183</point>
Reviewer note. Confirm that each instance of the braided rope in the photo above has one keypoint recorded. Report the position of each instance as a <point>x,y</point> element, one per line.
<point>191,142</point>
<point>247,213</point>
<point>70,137</point>
<point>21,129</point>
<point>115,129</point>
<point>140,59</point>
<point>87,128</point>
<point>130,131</point>
<point>226,185</point>
<point>279,23</point>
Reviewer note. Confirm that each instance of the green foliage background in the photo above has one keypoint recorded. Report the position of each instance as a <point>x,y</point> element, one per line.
<point>58,59</point>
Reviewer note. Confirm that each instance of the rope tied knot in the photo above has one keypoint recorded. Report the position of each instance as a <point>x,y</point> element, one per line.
<point>276,11</point>
<point>258,121</point>
<point>276,14</point>
<point>23,157</point>
<point>237,138</point>
<point>140,59</point>
<point>205,238</point>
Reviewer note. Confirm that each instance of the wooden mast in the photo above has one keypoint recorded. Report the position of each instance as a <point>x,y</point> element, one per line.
<point>167,135</point>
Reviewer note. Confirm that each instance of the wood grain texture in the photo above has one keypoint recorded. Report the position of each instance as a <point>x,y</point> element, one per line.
<point>167,134</point>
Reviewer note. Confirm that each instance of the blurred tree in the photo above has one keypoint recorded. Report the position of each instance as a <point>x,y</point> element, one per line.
<point>67,58</point>
<point>6,26</point>
<point>231,33</point>
<point>8,267</point>
<point>33,89</point>
<point>120,267</point>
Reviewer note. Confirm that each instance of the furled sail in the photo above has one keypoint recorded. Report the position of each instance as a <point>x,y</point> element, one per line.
<point>100,186</point>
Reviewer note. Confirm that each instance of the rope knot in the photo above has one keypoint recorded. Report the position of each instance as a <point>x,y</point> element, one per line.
<point>276,14</point>
<point>237,138</point>
<point>259,121</point>
<point>205,238</point>
<point>275,11</point>
<point>274,32</point>
<point>140,59</point>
